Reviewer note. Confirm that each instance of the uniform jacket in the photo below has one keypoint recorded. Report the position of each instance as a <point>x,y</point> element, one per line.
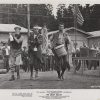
<point>35,42</point>
<point>66,39</point>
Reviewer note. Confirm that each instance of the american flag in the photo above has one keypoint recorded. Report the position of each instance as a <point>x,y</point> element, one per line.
<point>76,12</point>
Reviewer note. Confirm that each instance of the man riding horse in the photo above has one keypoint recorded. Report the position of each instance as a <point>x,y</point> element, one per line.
<point>35,55</point>
<point>59,38</point>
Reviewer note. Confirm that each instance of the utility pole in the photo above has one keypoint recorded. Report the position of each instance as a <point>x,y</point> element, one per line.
<point>28,22</point>
<point>28,18</point>
<point>75,26</point>
<point>8,15</point>
<point>62,12</point>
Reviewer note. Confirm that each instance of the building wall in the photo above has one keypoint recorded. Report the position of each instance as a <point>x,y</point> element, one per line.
<point>95,41</point>
<point>5,37</point>
<point>78,37</point>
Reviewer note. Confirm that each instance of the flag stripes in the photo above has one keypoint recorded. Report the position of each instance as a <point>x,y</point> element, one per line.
<point>79,18</point>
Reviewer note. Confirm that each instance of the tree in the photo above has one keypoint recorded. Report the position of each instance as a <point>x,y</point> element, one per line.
<point>39,14</point>
<point>44,15</point>
<point>95,17</point>
<point>91,14</point>
<point>64,14</point>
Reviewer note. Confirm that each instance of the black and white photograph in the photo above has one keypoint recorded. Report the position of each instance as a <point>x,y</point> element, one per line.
<point>50,46</point>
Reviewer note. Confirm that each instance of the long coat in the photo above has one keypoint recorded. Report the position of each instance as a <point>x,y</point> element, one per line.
<point>35,56</point>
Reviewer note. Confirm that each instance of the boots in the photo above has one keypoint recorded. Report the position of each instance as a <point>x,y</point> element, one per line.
<point>62,74</point>
<point>12,78</point>
<point>18,75</point>
<point>31,76</point>
<point>59,76</point>
<point>36,74</point>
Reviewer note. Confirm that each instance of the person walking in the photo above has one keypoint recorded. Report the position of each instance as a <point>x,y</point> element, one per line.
<point>35,55</point>
<point>15,42</point>
<point>61,62</point>
<point>6,56</point>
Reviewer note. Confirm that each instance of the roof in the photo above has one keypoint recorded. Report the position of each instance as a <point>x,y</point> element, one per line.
<point>94,34</point>
<point>10,28</point>
<point>37,27</point>
<point>71,28</point>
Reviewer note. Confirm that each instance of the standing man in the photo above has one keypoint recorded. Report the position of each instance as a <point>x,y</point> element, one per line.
<point>59,38</point>
<point>35,41</point>
<point>6,56</point>
<point>15,41</point>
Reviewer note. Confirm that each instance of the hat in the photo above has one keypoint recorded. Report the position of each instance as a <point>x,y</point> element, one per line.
<point>37,27</point>
<point>17,28</point>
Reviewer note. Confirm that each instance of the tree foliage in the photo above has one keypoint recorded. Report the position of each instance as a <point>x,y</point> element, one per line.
<point>65,15</point>
<point>42,13</point>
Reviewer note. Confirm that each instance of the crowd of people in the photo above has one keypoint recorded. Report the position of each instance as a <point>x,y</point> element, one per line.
<point>89,52</point>
<point>42,54</point>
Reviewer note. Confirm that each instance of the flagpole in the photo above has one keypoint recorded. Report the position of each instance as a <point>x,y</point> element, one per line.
<point>75,26</point>
<point>28,21</point>
<point>28,18</point>
<point>78,18</point>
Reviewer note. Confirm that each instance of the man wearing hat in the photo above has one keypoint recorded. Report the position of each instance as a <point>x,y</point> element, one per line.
<point>35,41</point>
<point>15,41</point>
